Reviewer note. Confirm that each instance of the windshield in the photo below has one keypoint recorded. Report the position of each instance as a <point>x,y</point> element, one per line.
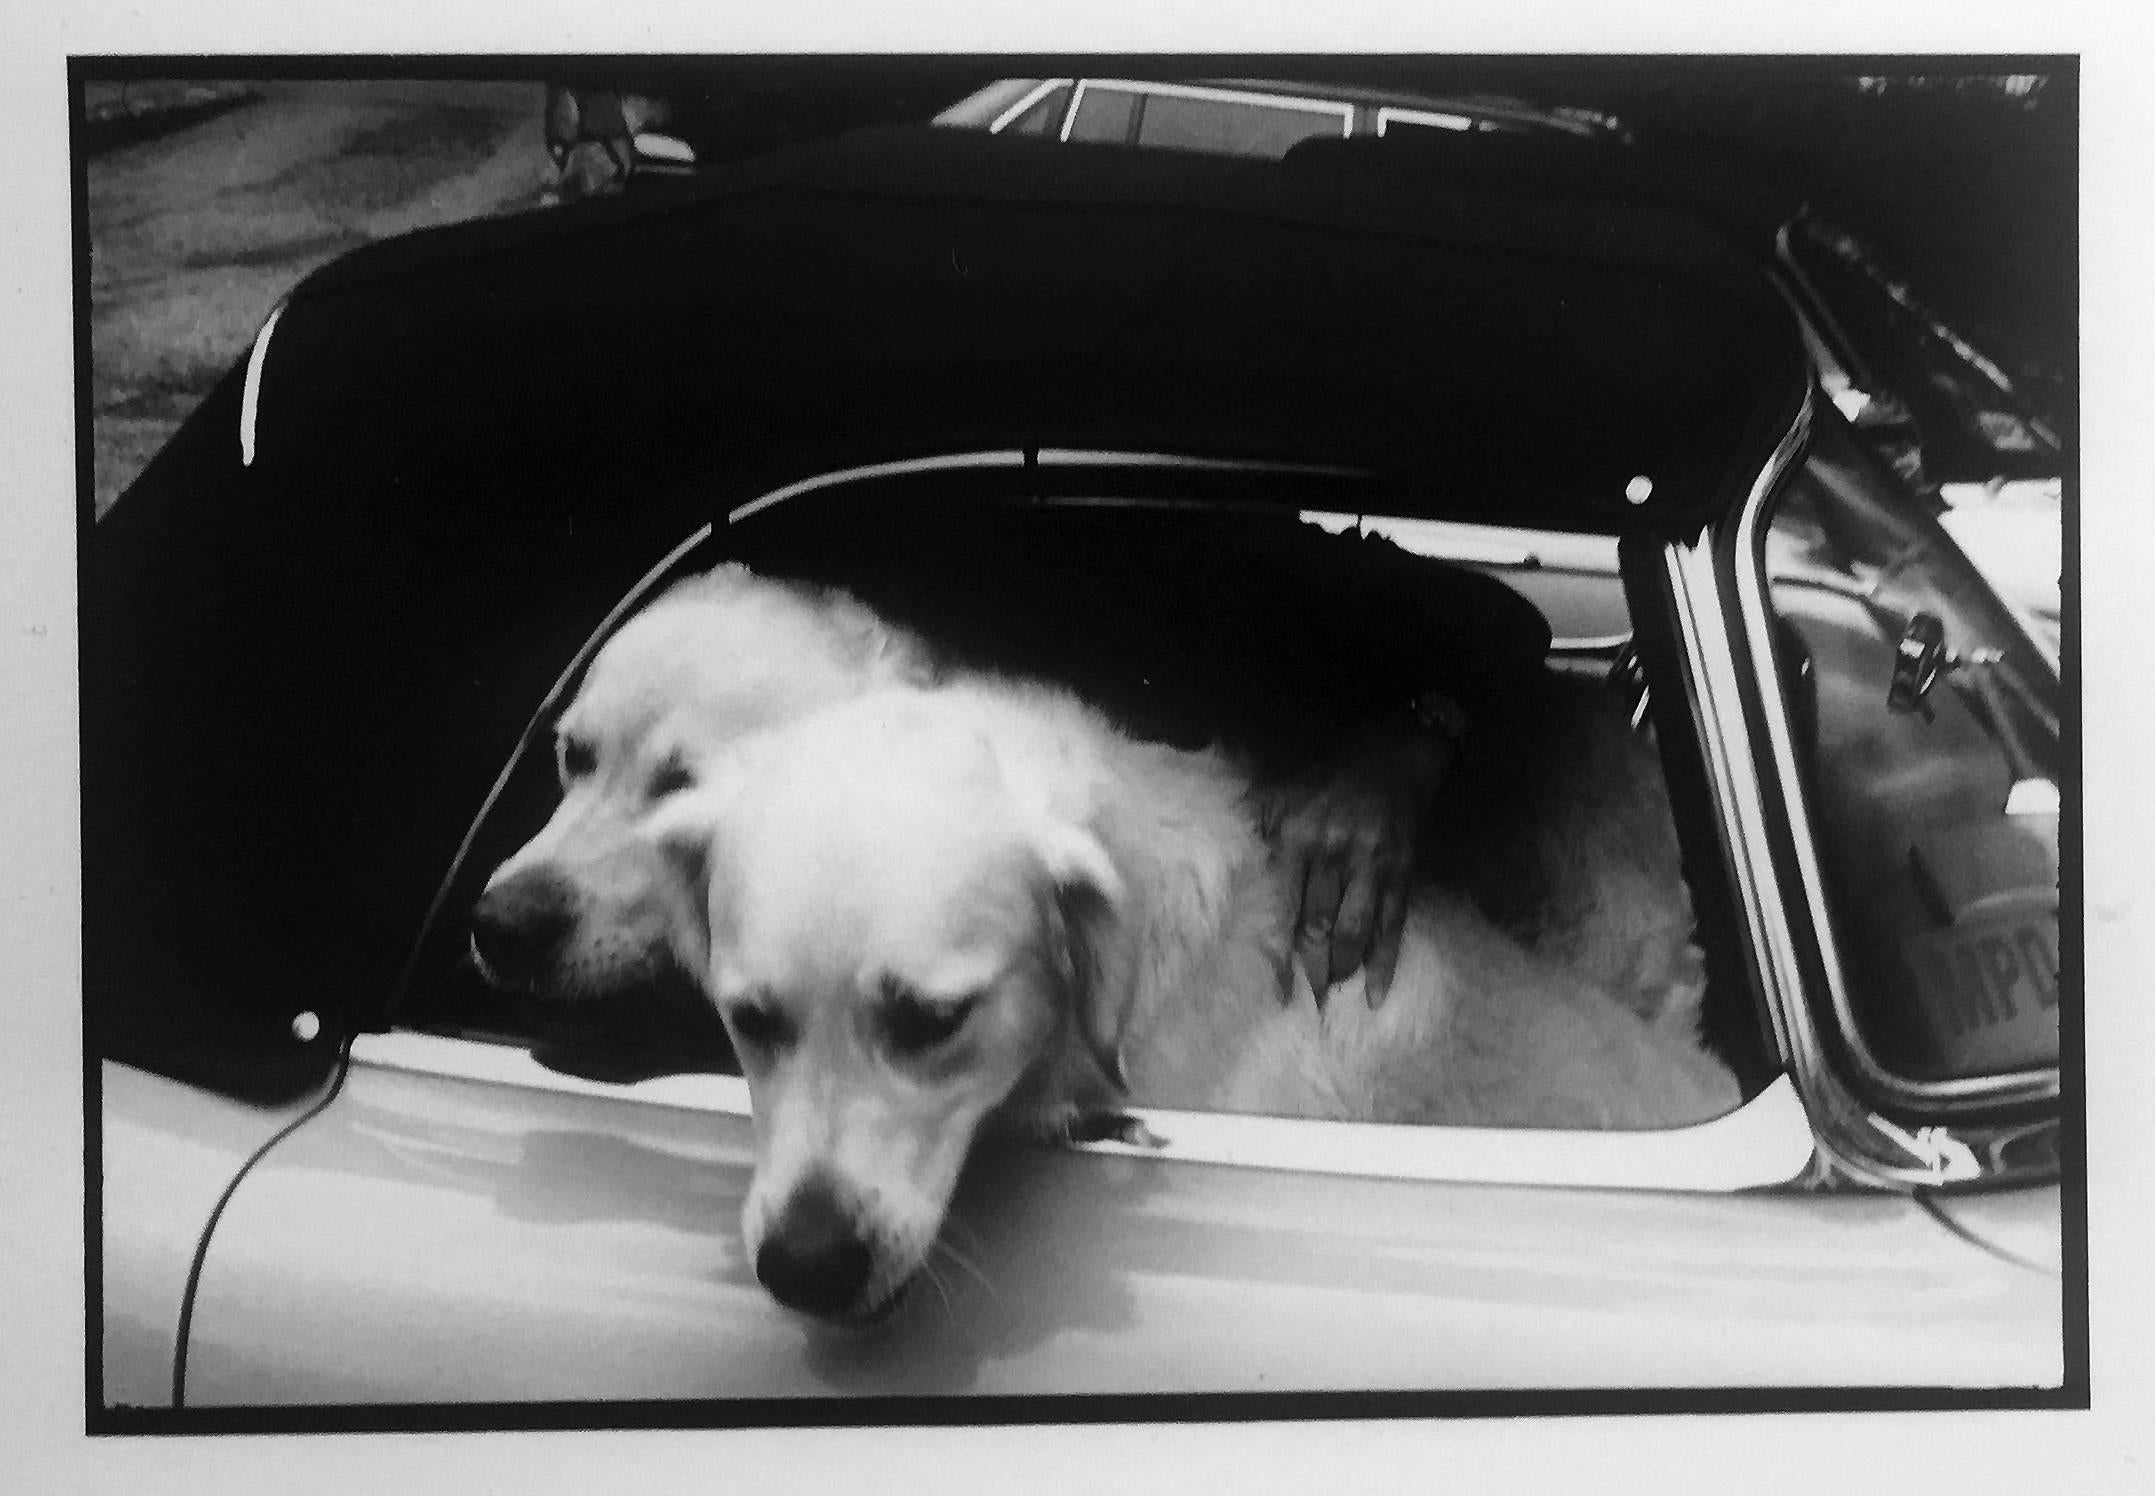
<point>1976,422</point>
<point>1927,738</point>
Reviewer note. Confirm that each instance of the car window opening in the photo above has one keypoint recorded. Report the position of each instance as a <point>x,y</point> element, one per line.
<point>1289,637</point>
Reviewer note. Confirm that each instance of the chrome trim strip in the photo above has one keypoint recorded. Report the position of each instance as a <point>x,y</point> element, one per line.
<point>1757,613</point>
<point>1856,1144</point>
<point>1597,644</point>
<point>1812,309</point>
<point>663,150</point>
<point>1077,101</point>
<point>1086,457</point>
<point>1386,114</point>
<point>1763,1143</point>
<point>507,1065</point>
<point>1485,545</point>
<point>1717,717</point>
<point>1217,95</point>
<point>250,398</point>
<point>1031,97</point>
<point>1851,1139</point>
<point>1008,458</point>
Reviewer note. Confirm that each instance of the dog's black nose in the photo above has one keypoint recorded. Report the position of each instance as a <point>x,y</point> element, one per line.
<point>520,925</point>
<point>811,1258</point>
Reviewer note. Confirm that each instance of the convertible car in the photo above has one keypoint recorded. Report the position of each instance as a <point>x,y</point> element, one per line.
<point>344,1182</point>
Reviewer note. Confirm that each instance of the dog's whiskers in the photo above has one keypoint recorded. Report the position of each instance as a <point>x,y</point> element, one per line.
<point>935,1280</point>
<point>944,1246</point>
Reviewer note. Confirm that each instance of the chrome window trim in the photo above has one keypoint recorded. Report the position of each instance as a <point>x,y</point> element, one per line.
<point>1032,96</point>
<point>1386,114</point>
<point>1856,1142</point>
<point>1763,1144</point>
<point>1011,457</point>
<point>1820,326</point>
<point>2006,1088</point>
<point>1572,552</point>
<point>1597,644</point>
<point>1717,720</point>
<point>1058,457</point>
<point>1215,95</point>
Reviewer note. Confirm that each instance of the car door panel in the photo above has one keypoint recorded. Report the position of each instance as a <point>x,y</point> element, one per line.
<point>167,1153</point>
<point>434,1238</point>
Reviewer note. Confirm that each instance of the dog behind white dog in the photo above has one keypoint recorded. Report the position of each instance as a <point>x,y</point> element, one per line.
<point>590,907</point>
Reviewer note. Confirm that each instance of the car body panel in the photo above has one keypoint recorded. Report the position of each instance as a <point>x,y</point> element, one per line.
<point>433,1238</point>
<point>168,1153</point>
<point>2027,1225</point>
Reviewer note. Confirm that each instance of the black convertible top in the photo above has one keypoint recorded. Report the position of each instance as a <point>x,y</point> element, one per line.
<point>921,289</point>
<point>302,673</point>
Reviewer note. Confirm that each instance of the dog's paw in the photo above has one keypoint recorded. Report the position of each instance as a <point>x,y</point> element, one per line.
<point>1112,1127</point>
<point>1075,1125</point>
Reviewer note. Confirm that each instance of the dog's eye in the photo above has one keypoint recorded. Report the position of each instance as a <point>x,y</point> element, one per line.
<point>914,1024</point>
<point>760,1026</point>
<point>578,758</point>
<point>672,778</point>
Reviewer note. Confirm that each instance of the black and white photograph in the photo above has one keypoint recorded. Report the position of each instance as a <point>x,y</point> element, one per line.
<point>955,743</point>
<point>833,735</point>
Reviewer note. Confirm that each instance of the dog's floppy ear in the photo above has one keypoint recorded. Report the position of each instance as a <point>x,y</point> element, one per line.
<point>1080,913</point>
<point>688,819</point>
<point>1082,894</point>
<point>685,828</point>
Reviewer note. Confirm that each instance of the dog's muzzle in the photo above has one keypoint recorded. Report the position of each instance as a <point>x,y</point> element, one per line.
<point>519,927</point>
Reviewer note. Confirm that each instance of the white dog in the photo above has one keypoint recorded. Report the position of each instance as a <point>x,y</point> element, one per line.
<point>930,908</point>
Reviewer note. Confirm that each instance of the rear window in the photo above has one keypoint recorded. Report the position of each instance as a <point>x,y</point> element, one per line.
<point>1926,732</point>
<point>1233,127</point>
<point>1104,115</point>
<point>1044,116</point>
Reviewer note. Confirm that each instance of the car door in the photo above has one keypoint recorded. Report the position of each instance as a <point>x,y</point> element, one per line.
<point>462,1226</point>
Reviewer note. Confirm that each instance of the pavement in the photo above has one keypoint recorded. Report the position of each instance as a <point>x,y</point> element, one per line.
<point>218,198</point>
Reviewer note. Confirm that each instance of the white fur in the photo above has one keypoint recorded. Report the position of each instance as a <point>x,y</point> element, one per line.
<point>862,838</point>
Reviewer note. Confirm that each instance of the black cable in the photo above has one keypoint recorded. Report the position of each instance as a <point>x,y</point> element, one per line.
<point>202,1247</point>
